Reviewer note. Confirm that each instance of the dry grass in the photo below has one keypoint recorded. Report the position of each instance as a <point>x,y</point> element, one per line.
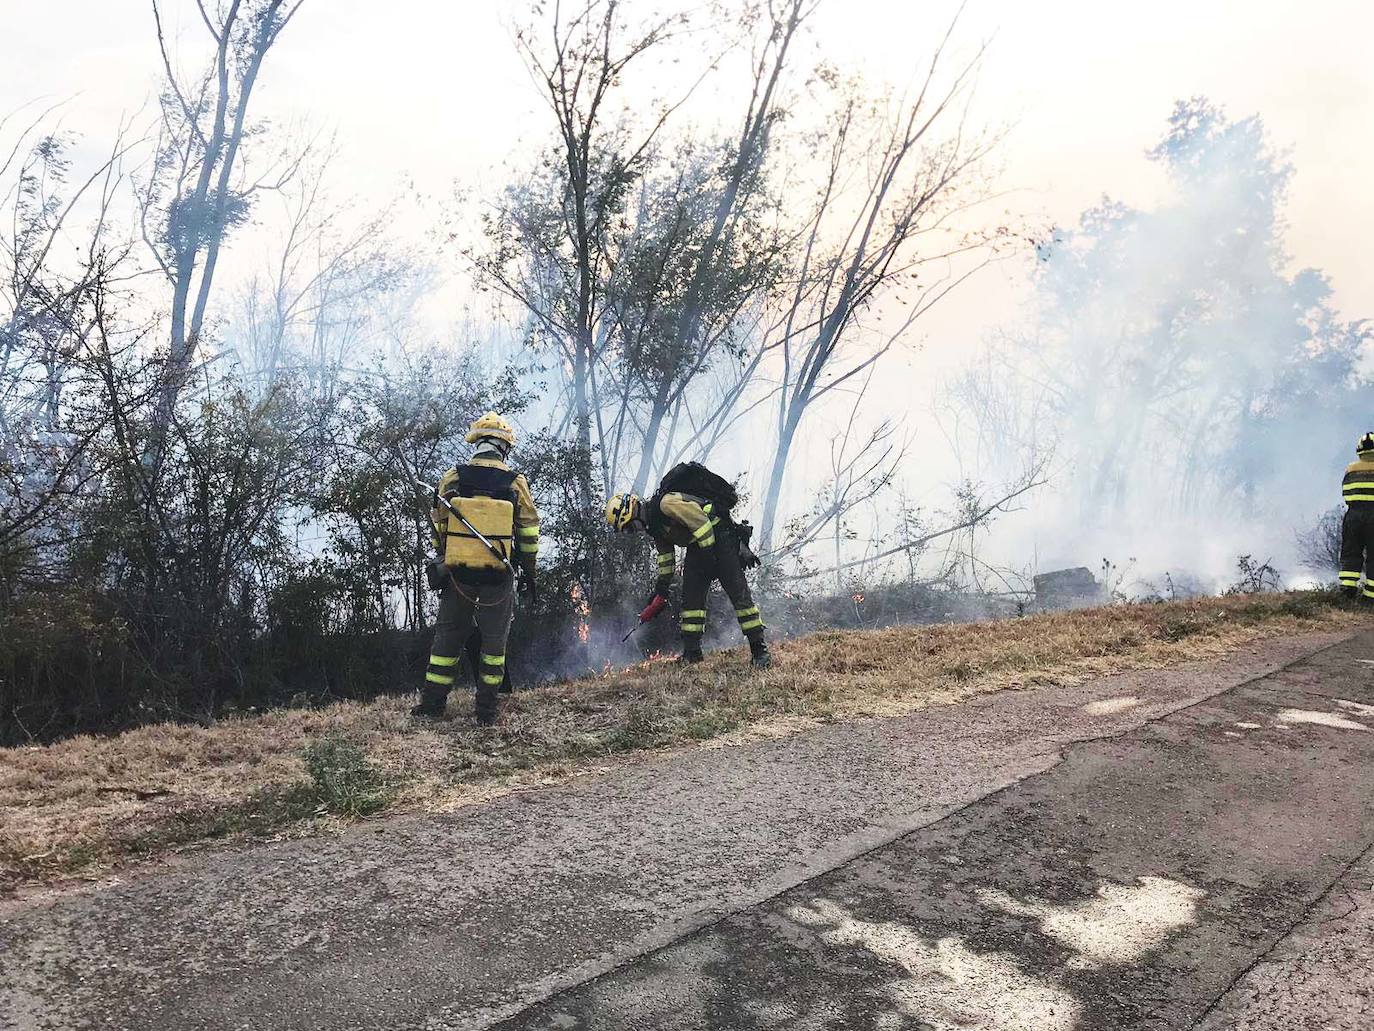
<point>90,801</point>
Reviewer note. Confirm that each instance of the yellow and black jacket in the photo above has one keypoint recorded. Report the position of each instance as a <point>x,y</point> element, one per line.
<point>679,521</point>
<point>526,515</point>
<point>1358,485</point>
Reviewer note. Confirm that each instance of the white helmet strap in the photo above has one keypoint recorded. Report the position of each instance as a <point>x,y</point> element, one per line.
<point>492,444</point>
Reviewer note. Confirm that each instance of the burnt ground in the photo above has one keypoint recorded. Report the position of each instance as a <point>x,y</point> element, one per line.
<point>1148,850</point>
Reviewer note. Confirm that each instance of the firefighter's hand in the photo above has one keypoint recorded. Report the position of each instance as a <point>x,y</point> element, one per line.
<point>436,573</point>
<point>528,588</point>
<point>656,605</point>
<point>747,558</point>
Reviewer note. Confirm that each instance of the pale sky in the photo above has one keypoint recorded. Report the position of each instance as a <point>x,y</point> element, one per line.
<point>429,92</point>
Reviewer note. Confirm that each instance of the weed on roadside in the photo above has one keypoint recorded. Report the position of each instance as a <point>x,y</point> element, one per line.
<point>344,782</point>
<point>1177,628</point>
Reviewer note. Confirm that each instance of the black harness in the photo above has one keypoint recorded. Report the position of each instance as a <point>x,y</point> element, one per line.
<point>483,481</point>
<point>654,518</point>
<point>657,522</point>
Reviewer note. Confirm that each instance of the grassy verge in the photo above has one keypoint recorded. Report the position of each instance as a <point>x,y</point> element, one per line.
<point>88,802</point>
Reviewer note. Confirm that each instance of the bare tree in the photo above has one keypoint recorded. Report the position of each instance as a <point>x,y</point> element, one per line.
<point>311,308</point>
<point>858,249</point>
<point>975,509</point>
<point>862,467</point>
<point>598,157</point>
<point>58,255</point>
<point>198,189</point>
<point>606,263</point>
<point>713,266</point>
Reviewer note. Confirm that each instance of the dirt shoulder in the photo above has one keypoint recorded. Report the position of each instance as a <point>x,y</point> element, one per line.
<point>459,919</point>
<point>89,803</point>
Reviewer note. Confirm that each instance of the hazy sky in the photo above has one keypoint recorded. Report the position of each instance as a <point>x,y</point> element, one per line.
<point>429,91</point>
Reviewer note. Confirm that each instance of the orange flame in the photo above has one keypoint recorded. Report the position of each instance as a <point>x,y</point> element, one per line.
<point>649,659</point>
<point>584,628</point>
<point>856,598</point>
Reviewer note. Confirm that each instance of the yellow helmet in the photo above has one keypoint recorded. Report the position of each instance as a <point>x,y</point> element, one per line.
<point>491,426</point>
<point>621,510</point>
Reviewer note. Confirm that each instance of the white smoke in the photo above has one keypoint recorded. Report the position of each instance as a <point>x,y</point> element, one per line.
<point>1201,397</point>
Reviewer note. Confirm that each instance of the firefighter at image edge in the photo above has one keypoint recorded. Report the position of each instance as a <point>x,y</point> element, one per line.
<point>476,585</point>
<point>717,549</point>
<point>1357,528</point>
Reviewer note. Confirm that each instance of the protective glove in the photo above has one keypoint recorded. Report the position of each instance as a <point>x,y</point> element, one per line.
<point>747,558</point>
<point>436,574</point>
<point>656,605</point>
<point>528,587</point>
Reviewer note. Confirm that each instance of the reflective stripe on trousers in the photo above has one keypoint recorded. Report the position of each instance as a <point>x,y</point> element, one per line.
<point>489,607</point>
<point>441,669</point>
<point>749,619</point>
<point>493,669</point>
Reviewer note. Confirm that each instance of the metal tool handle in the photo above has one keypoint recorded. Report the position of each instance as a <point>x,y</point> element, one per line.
<point>475,532</point>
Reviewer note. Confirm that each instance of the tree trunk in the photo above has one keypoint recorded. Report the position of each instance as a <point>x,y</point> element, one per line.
<point>646,457</point>
<point>775,478</point>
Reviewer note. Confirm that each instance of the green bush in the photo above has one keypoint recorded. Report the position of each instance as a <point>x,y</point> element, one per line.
<point>344,781</point>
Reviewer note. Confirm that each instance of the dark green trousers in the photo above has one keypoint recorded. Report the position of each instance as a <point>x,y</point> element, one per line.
<point>488,608</point>
<point>703,567</point>
<point>1357,547</point>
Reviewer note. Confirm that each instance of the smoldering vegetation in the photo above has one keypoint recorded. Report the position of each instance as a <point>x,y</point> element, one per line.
<point>212,364</point>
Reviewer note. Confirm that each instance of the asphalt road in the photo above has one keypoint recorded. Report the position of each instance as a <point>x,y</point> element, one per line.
<point>1148,881</point>
<point>1128,853</point>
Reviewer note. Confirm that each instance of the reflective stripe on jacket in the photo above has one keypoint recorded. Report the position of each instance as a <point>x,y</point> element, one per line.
<point>685,521</point>
<point>1358,484</point>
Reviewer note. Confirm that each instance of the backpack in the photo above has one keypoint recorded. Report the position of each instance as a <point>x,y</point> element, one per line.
<point>695,478</point>
<point>486,499</point>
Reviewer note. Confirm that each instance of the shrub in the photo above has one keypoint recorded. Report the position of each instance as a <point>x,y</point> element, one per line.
<point>1319,548</point>
<point>344,781</point>
<point>1255,577</point>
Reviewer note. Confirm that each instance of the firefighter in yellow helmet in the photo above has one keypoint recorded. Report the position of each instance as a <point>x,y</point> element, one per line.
<point>497,533</point>
<point>1357,528</point>
<point>696,517</point>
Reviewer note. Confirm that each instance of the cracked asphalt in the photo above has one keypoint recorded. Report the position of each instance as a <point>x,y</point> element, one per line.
<point>1150,850</point>
<point>1134,885</point>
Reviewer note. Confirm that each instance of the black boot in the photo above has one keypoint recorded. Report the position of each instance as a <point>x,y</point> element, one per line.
<point>758,652</point>
<point>691,654</point>
<point>487,704</point>
<point>432,705</point>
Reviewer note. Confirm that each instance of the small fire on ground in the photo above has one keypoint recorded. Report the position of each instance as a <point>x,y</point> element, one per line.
<point>584,627</point>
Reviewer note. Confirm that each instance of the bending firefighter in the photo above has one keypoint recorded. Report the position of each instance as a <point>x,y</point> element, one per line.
<point>485,524</point>
<point>1357,529</point>
<point>691,510</point>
